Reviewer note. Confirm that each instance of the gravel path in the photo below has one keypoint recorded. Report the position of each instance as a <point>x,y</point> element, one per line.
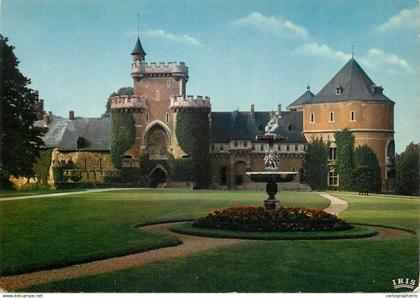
<point>191,244</point>
<point>60,194</point>
<point>336,205</point>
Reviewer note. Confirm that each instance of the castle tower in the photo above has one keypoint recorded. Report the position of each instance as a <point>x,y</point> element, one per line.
<point>159,94</point>
<point>352,100</point>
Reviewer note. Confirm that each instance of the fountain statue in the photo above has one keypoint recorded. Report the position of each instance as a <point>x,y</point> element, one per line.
<point>271,175</point>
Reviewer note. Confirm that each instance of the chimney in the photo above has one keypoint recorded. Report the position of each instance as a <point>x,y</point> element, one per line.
<point>71,115</point>
<point>50,115</point>
<point>279,109</point>
<point>45,120</point>
<point>253,111</point>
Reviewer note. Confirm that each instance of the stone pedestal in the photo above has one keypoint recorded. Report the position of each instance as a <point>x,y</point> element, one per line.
<point>271,204</point>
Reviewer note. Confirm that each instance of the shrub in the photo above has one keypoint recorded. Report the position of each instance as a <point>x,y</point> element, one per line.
<point>362,177</point>
<point>254,219</point>
<point>316,164</point>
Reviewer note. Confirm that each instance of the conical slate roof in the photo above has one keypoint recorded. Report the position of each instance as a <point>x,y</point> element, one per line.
<point>138,49</point>
<point>304,98</point>
<point>354,83</point>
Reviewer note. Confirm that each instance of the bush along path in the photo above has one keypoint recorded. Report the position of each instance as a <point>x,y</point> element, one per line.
<point>190,244</point>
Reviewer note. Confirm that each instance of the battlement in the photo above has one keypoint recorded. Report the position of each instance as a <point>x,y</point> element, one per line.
<point>126,102</point>
<point>178,102</point>
<point>142,68</point>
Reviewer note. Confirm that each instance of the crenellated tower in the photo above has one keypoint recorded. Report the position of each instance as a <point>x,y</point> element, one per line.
<point>159,95</point>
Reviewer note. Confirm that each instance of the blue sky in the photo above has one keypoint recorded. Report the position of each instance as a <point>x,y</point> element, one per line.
<point>239,52</point>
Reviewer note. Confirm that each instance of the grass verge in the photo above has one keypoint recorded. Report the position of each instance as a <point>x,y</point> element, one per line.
<point>356,232</point>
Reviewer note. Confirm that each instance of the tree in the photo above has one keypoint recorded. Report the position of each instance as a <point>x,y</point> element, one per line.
<point>20,140</point>
<point>121,91</point>
<point>345,163</point>
<point>315,164</point>
<point>365,156</point>
<point>122,136</point>
<point>407,170</point>
<point>42,166</point>
<point>362,180</point>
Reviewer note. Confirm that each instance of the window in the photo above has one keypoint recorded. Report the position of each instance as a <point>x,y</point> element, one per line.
<point>293,169</point>
<point>147,117</point>
<point>287,147</point>
<point>312,118</point>
<point>332,154</point>
<point>168,83</point>
<point>146,83</point>
<point>212,148</point>
<point>167,117</point>
<point>157,95</point>
<point>332,178</point>
<point>235,144</point>
<point>352,116</point>
<point>331,117</point>
<point>338,90</point>
<point>223,176</point>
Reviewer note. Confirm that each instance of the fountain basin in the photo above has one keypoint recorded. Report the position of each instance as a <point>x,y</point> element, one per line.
<point>272,176</point>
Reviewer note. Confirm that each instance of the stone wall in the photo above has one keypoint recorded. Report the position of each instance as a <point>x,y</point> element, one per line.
<point>92,166</point>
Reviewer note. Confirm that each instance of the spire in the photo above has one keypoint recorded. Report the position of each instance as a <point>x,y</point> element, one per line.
<point>138,52</point>
<point>138,49</point>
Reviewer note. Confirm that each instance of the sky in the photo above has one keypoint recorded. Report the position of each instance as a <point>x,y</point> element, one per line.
<point>239,52</point>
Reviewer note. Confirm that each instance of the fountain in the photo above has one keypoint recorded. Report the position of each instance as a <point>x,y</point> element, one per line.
<point>271,175</point>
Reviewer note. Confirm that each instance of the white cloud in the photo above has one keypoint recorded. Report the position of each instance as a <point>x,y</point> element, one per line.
<point>380,58</point>
<point>406,18</point>
<point>272,25</point>
<point>375,58</point>
<point>323,50</point>
<point>184,39</point>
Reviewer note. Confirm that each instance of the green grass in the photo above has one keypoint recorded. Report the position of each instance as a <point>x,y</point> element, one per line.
<point>362,265</point>
<point>54,232</point>
<point>356,232</point>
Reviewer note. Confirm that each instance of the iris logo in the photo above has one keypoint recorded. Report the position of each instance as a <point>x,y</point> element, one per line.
<point>404,283</point>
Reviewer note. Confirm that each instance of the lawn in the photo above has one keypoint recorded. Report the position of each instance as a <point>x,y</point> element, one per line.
<point>366,265</point>
<point>53,232</point>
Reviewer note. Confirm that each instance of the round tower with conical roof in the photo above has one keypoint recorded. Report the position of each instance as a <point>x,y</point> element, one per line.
<point>352,100</point>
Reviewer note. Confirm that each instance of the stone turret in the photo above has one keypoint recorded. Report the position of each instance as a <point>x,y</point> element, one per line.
<point>138,53</point>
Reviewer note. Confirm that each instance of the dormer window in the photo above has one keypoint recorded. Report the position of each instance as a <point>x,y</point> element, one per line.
<point>338,90</point>
<point>376,89</point>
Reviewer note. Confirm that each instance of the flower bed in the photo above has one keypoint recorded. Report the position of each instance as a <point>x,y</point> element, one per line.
<point>254,219</point>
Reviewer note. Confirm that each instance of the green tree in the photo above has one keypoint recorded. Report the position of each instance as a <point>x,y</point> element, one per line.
<point>122,136</point>
<point>407,170</point>
<point>362,177</point>
<point>345,163</point>
<point>20,140</point>
<point>365,156</point>
<point>42,166</point>
<point>121,91</point>
<point>315,164</point>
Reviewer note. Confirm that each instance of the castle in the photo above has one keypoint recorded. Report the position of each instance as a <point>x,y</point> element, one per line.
<point>349,100</point>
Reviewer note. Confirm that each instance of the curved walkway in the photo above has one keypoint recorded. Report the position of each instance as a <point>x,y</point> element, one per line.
<point>60,194</point>
<point>336,205</point>
<point>190,244</point>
